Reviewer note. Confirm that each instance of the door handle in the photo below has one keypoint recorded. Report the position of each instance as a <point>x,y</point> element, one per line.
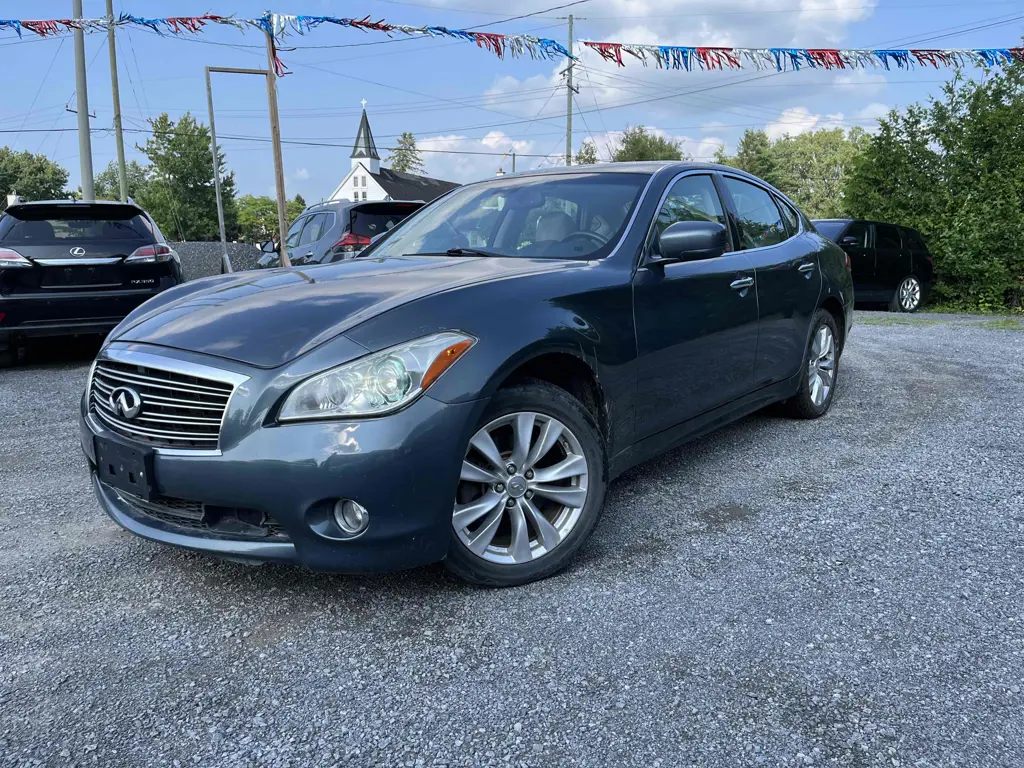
<point>742,283</point>
<point>808,267</point>
<point>309,255</point>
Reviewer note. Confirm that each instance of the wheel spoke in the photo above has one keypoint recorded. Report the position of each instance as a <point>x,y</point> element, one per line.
<point>474,474</point>
<point>567,495</point>
<point>522,429</point>
<point>816,346</point>
<point>520,545</point>
<point>482,442</point>
<point>467,514</point>
<point>816,397</point>
<point>570,467</point>
<point>549,434</point>
<point>479,543</point>
<point>546,532</point>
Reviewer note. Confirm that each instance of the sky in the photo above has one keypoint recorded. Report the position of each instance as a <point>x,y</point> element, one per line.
<point>457,99</point>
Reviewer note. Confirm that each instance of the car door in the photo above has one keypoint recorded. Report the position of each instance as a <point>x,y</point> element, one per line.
<point>787,275</point>
<point>311,233</point>
<point>322,245</point>
<point>893,260</point>
<point>856,241</point>
<point>696,321</point>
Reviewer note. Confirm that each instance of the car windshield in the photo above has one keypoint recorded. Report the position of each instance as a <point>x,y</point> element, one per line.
<point>565,216</point>
<point>830,229</point>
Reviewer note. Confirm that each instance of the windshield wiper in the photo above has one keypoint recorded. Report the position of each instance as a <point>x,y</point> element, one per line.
<point>461,252</point>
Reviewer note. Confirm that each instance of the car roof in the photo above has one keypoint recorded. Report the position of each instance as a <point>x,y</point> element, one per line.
<point>333,204</point>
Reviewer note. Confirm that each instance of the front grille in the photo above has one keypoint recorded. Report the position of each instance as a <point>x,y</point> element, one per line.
<point>197,519</point>
<point>178,410</point>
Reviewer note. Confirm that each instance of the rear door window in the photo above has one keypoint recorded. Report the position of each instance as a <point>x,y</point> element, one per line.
<point>914,240</point>
<point>759,218</point>
<point>311,232</point>
<point>887,237</point>
<point>791,217</point>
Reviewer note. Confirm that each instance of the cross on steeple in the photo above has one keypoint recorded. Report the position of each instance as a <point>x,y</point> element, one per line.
<point>363,102</point>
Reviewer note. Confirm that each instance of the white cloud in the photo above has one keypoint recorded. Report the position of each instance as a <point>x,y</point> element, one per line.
<point>797,120</point>
<point>468,159</point>
<point>301,174</point>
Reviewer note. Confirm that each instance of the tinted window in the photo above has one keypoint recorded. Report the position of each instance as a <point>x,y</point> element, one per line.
<point>54,225</point>
<point>311,232</point>
<point>379,219</point>
<point>859,231</point>
<point>759,218</point>
<point>887,236</point>
<point>692,198</point>
<point>830,229</point>
<point>295,230</point>
<point>567,216</point>
<point>914,240</point>
<point>790,216</point>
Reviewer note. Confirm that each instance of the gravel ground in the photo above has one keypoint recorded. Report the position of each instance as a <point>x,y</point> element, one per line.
<point>838,592</point>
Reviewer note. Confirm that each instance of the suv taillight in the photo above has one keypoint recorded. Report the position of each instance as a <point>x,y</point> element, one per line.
<point>150,254</point>
<point>12,259</point>
<point>351,242</point>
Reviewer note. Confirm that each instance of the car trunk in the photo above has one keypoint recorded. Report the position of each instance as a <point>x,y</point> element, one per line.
<point>77,247</point>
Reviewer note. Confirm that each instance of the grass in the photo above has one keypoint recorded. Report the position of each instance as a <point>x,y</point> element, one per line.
<point>895,318</point>
<point>1003,324</point>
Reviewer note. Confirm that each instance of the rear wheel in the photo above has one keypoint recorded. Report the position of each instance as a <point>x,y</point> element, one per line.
<point>907,297</point>
<point>531,487</point>
<point>819,371</point>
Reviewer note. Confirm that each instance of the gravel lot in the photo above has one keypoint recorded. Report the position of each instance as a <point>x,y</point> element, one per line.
<point>839,592</point>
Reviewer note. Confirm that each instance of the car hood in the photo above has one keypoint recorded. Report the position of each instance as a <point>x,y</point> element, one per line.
<point>270,317</point>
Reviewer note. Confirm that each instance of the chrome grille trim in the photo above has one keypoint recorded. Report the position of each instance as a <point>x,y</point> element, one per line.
<point>183,404</point>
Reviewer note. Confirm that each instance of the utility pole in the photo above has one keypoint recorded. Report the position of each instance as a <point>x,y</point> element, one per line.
<point>569,91</point>
<point>122,174</point>
<point>275,138</point>
<point>513,162</point>
<point>225,260</point>
<point>84,139</point>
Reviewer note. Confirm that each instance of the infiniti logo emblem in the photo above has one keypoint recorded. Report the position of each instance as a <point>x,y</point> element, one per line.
<point>78,251</point>
<point>126,402</point>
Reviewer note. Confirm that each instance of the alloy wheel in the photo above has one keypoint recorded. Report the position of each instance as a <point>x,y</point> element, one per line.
<point>522,488</point>
<point>822,366</point>
<point>910,294</point>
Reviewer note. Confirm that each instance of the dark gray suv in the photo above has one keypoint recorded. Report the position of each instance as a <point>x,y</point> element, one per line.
<point>336,230</point>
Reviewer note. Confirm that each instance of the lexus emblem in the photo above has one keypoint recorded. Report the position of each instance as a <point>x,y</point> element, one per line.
<point>78,251</point>
<point>126,402</point>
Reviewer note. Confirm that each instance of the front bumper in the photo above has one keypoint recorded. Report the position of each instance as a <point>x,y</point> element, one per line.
<point>402,468</point>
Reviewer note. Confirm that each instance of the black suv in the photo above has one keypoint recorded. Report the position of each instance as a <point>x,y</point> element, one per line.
<point>72,267</point>
<point>889,263</point>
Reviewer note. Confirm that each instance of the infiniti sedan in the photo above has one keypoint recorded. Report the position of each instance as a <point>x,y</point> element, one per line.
<point>465,390</point>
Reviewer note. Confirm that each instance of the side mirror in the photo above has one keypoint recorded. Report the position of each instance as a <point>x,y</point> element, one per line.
<point>849,242</point>
<point>692,240</point>
<point>270,247</point>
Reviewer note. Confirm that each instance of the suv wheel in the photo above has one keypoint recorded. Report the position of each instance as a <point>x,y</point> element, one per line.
<point>820,370</point>
<point>908,296</point>
<point>531,488</point>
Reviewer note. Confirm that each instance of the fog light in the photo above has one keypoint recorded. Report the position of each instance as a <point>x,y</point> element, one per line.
<point>351,517</point>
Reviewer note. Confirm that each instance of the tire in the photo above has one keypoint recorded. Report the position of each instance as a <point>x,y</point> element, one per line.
<point>553,530</point>
<point>7,359</point>
<point>813,401</point>
<point>907,296</point>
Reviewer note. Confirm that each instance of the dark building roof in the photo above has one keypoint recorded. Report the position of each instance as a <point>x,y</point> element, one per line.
<point>365,148</point>
<point>409,186</point>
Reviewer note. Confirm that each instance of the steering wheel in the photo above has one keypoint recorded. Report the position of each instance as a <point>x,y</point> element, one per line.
<point>592,236</point>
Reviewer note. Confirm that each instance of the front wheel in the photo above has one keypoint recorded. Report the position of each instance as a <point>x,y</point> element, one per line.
<point>531,487</point>
<point>907,297</point>
<point>819,371</point>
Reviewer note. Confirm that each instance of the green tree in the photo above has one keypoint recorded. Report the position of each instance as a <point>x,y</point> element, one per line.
<point>952,170</point>
<point>257,216</point>
<point>294,207</point>
<point>753,155</point>
<point>637,143</point>
<point>587,154</point>
<point>406,157</point>
<point>812,168</point>
<point>180,194</point>
<point>34,177</point>
<point>108,185</point>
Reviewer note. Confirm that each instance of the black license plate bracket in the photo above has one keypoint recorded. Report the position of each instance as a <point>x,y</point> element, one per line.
<point>125,467</point>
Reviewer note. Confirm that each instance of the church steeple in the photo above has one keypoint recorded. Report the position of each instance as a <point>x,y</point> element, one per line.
<point>365,150</point>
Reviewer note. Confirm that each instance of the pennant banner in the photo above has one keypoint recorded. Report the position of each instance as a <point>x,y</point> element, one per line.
<point>782,59</point>
<point>281,26</point>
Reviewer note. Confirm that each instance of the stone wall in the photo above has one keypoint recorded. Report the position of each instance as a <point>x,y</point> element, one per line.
<point>203,259</point>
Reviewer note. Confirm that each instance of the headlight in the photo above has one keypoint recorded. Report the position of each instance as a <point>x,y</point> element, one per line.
<point>379,383</point>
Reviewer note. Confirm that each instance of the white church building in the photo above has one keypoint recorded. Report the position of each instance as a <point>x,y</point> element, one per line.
<point>368,180</point>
